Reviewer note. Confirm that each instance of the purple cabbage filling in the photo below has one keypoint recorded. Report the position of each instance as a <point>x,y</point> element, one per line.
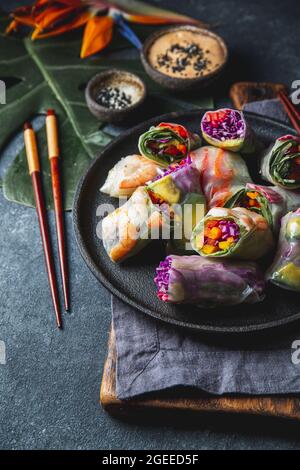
<point>162,278</point>
<point>229,229</point>
<point>211,283</point>
<point>174,168</point>
<point>225,124</point>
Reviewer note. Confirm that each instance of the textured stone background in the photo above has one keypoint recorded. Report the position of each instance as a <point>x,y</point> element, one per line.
<point>49,385</point>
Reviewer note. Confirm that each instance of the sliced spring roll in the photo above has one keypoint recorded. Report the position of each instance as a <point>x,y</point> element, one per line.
<point>226,128</point>
<point>222,174</point>
<point>207,282</point>
<point>280,164</point>
<point>232,233</point>
<point>128,174</point>
<point>167,143</point>
<point>128,229</point>
<point>175,183</point>
<point>272,202</point>
<point>285,270</point>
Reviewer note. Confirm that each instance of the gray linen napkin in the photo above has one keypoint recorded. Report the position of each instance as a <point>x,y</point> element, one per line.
<point>153,356</point>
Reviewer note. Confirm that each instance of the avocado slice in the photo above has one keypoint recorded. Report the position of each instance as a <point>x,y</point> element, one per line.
<point>290,276</point>
<point>166,189</point>
<point>293,228</point>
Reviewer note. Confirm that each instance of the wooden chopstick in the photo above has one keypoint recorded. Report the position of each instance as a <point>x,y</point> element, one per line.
<point>289,103</point>
<point>34,171</point>
<point>291,111</point>
<point>53,154</point>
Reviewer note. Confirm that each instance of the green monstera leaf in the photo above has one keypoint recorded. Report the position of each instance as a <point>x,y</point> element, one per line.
<point>49,74</point>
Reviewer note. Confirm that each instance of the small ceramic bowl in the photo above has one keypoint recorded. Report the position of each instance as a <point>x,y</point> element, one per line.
<point>178,83</point>
<point>126,82</point>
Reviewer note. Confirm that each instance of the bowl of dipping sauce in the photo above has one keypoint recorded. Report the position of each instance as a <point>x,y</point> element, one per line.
<point>114,94</point>
<point>184,57</point>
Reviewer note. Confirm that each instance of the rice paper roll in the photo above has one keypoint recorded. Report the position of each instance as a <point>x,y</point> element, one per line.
<point>191,211</point>
<point>232,233</point>
<point>129,228</point>
<point>175,183</point>
<point>128,174</point>
<point>280,163</point>
<point>167,143</point>
<point>227,128</point>
<point>222,174</point>
<point>208,282</point>
<point>272,202</point>
<point>285,270</point>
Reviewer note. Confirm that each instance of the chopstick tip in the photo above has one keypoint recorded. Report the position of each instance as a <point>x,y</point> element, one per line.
<point>27,125</point>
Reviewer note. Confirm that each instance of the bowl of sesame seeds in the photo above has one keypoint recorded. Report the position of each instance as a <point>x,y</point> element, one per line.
<point>182,58</point>
<point>114,94</point>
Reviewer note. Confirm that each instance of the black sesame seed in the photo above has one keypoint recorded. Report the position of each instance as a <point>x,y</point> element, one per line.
<point>113,98</point>
<point>180,56</point>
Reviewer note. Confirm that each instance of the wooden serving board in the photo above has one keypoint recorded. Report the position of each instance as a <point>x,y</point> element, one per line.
<point>190,400</point>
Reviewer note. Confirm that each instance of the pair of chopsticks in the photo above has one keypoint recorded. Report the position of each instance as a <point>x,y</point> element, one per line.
<point>291,110</point>
<point>35,173</point>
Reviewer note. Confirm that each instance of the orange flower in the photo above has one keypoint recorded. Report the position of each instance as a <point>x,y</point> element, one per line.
<point>13,26</point>
<point>79,21</point>
<point>51,15</point>
<point>55,17</point>
<point>97,35</point>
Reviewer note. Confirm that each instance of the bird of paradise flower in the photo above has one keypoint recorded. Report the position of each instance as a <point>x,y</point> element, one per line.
<point>54,17</point>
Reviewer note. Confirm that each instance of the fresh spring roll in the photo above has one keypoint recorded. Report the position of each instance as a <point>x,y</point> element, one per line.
<point>179,188</point>
<point>280,164</point>
<point>192,210</point>
<point>272,202</point>
<point>128,229</point>
<point>222,174</point>
<point>207,282</point>
<point>226,128</point>
<point>232,233</point>
<point>285,270</point>
<point>175,183</point>
<point>167,143</point>
<point>128,174</point>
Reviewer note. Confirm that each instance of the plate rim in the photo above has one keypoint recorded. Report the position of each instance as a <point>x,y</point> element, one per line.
<point>100,276</point>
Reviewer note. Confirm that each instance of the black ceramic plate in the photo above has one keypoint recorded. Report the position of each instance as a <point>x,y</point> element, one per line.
<point>132,281</point>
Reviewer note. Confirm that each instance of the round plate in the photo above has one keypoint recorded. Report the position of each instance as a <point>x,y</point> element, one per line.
<point>132,281</point>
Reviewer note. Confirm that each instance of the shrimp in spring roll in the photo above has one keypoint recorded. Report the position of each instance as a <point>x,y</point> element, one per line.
<point>167,143</point>
<point>285,270</point>
<point>128,229</point>
<point>222,174</point>
<point>208,282</point>
<point>280,164</point>
<point>128,174</point>
<point>232,233</point>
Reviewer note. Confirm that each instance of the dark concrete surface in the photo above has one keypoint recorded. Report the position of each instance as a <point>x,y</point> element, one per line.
<point>49,385</point>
